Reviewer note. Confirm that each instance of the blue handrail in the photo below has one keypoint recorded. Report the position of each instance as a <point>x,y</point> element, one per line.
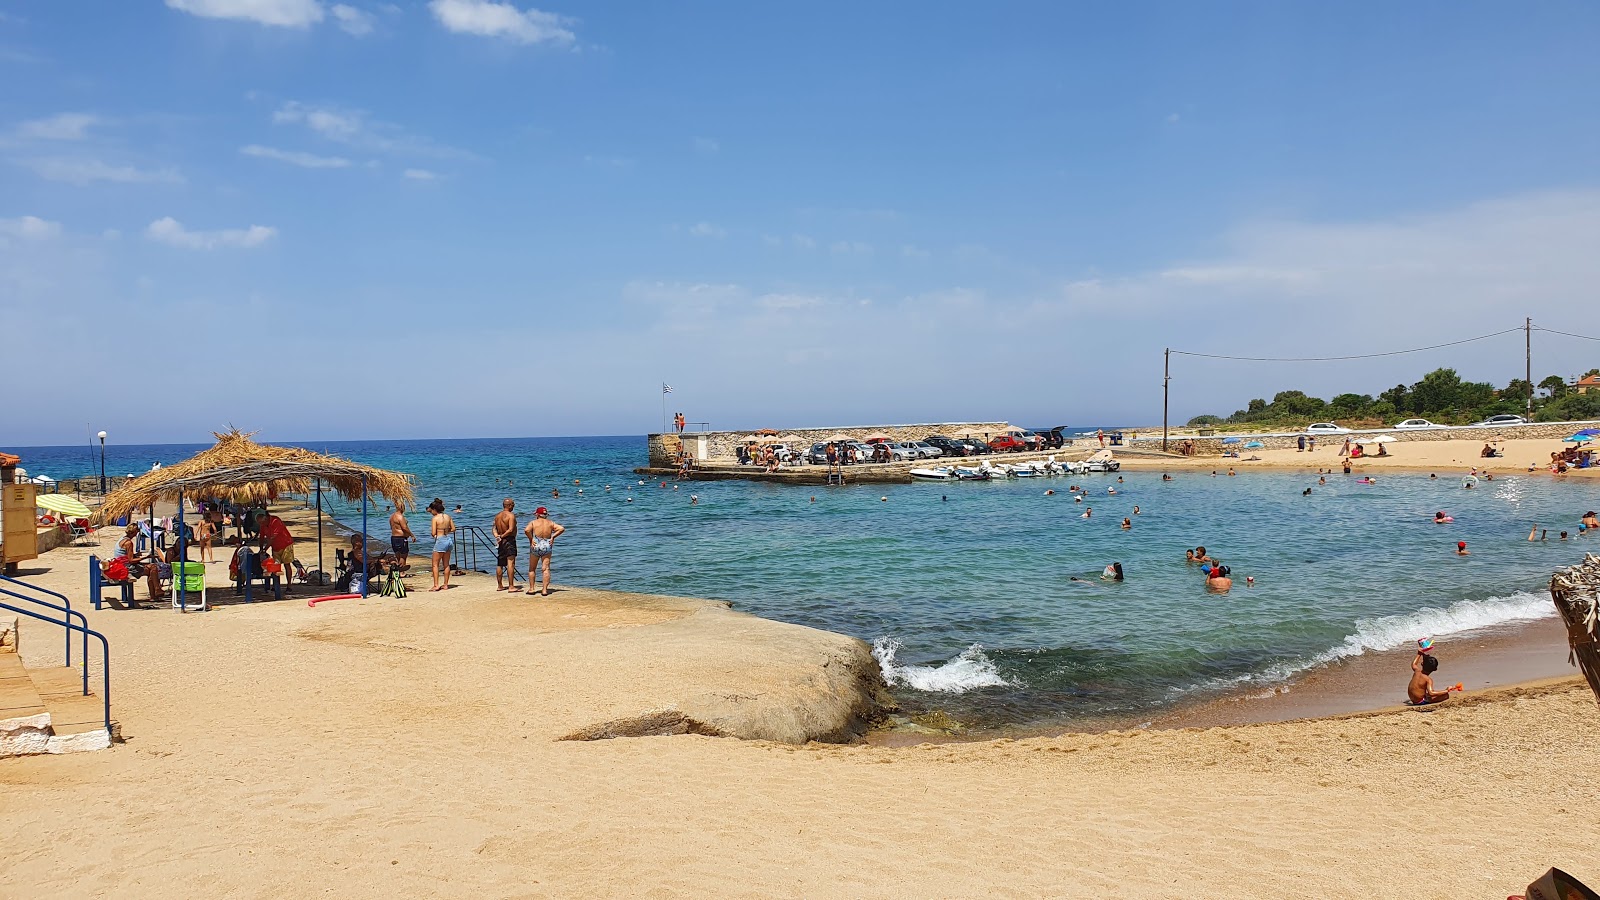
<point>65,607</point>
<point>105,655</point>
<point>65,623</point>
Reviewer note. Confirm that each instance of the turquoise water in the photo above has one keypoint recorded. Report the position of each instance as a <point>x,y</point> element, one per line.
<point>964,590</point>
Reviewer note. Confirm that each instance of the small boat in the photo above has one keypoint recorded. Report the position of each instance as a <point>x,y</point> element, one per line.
<point>940,473</point>
<point>968,473</point>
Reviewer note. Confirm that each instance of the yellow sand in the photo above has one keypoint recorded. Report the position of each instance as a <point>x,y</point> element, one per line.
<point>406,748</point>
<point>1446,458</point>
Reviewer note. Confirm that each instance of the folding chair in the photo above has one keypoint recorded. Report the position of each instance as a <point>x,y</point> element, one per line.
<point>190,578</point>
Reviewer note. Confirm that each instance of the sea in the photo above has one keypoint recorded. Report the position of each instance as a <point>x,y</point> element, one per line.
<point>965,590</point>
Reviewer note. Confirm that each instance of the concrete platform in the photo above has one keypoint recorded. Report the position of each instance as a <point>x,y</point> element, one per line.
<point>45,710</point>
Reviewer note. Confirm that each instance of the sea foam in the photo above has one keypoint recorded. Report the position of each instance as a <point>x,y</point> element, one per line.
<point>970,669</point>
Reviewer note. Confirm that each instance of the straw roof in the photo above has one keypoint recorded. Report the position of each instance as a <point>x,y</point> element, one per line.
<point>240,470</point>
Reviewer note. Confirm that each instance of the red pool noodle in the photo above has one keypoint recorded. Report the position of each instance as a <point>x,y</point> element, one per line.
<point>315,600</point>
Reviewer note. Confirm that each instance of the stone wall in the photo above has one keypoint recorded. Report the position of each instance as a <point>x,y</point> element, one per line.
<point>664,448</point>
<point>1213,446</point>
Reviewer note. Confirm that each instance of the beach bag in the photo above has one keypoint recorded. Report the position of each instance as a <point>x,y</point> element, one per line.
<point>117,569</point>
<point>394,586</point>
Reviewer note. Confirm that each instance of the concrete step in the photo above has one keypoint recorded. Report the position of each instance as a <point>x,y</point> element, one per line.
<point>24,721</point>
<point>45,711</point>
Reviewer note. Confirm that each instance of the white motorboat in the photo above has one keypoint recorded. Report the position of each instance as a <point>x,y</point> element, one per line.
<point>940,473</point>
<point>969,473</point>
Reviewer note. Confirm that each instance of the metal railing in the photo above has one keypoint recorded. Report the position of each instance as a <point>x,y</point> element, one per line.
<point>87,632</point>
<point>469,539</point>
<point>67,612</point>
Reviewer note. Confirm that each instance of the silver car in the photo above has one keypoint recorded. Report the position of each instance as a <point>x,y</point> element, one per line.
<point>918,450</point>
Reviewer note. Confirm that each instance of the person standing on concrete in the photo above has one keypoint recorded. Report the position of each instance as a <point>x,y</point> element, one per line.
<point>542,534</point>
<point>505,536</point>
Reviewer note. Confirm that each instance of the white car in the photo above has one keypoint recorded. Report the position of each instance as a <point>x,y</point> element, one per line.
<point>1326,428</point>
<point>1493,421</point>
<point>919,450</point>
<point>1411,424</point>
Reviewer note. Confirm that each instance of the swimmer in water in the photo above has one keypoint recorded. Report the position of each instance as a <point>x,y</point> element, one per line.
<point>1136,509</point>
<point>1089,511</point>
<point>1077,498</point>
<point>1111,490</point>
<point>1165,477</point>
<point>1461,549</point>
<point>1306,492</point>
<point>1217,580</point>
<point>1230,472</point>
<point>694,499</point>
<point>1188,557</point>
<point>1112,572</point>
<point>1050,493</point>
<point>1127,524</point>
<point>1439,518</point>
<point>1322,480</point>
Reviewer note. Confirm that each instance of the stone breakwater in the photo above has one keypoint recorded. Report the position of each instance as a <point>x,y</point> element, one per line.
<point>704,446</point>
<point>1213,445</point>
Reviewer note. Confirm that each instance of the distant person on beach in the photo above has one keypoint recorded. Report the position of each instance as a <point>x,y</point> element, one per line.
<point>276,537</point>
<point>127,551</point>
<point>1420,691</point>
<point>443,531</point>
<point>1300,444</point>
<point>505,536</point>
<point>400,537</point>
<point>1311,444</point>
<point>202,535</point>
<point>1345,450</point>
<point>542,534</point>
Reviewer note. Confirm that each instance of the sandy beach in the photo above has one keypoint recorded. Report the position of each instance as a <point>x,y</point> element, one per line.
<point>1448,459</point>
<point>381,747</point>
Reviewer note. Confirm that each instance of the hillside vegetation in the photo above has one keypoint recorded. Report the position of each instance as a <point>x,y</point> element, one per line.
<point>1440,397</point>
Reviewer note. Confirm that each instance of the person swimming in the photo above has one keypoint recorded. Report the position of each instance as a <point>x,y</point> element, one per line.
<point>1461,548</point>
<point>1440,518</point>
<point>1306,492</point>
<point>1127,524</point>
<point>1112,572</point>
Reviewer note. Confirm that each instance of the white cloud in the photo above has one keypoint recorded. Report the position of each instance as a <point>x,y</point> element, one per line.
<point>354,128</point>
<point>59,127</point>
<point>85,171</point>
<point>30,227</point>
<point>286,13</point>
<point>421,175</point>
<point>706,229</point>
<point>706,145</point>
<point>171,232</point>
<point>489,19</point>
<point>352,20</point>
<point>295,157</point>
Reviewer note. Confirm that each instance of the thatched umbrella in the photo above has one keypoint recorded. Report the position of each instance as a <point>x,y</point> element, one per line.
<point>1576,593</point>
<point>242,471</point>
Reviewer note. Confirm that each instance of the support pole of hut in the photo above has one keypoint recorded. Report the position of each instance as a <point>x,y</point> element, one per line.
<point>319,531</point>
<point>183,559</point>
<point>1576,593</point>
<point>366,551</point>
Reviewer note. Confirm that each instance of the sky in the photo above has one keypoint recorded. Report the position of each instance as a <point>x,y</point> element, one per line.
<point>459,218</point>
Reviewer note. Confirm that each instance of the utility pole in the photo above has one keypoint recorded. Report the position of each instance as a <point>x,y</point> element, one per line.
<point>1166,381</point>
<point>1527,340</point>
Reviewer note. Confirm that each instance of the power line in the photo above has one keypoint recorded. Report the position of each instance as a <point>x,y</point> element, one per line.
<point>1361,355</point>
<point>1553,331</point>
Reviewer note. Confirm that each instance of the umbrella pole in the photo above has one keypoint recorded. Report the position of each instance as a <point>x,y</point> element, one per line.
<point>366,551</point>
<point>319,531</point>
<point>183,559</point>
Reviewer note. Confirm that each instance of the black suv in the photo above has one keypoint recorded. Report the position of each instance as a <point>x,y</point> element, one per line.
<point>948,446</point>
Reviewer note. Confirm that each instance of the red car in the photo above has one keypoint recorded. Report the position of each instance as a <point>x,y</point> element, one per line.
<point>1008,442</point>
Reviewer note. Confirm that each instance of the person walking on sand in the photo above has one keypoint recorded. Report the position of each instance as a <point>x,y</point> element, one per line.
<point>505,535</point>
<point>443,530</point>
<point>542,534</point>
<point>400,537</point>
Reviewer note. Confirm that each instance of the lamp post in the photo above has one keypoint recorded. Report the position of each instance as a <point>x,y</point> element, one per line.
<point>102,463</point>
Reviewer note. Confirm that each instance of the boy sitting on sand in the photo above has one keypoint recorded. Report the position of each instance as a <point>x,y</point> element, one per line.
<point>1420,690</point>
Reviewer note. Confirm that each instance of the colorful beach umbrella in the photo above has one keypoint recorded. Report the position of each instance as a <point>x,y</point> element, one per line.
<point>1254,445</point>
<point>1579,438</point>
<point>1380,439</point>
<point>61,503</point>
<point>1230,440</point>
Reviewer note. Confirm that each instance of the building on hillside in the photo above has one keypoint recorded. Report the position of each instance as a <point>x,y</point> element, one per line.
<point>1586,384</point>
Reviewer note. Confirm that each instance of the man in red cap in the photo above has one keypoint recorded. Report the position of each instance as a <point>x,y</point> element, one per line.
<point>542,534</point>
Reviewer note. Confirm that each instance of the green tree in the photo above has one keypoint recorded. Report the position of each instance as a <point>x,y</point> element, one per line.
<point>1257,405</point>
<point>1438,391</point>
<point>1296,403</point>
<point>1205,420</point>
<point>1351,404</point>
<point>1553,386</point>
<point>1572,407</point>
<point>1398,397</point>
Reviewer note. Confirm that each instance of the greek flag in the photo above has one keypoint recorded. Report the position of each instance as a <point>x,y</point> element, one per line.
<point>666,388</point>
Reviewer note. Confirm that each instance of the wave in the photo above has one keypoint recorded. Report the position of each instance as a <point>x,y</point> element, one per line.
<point>1390,632</point>
<point>970,669</point>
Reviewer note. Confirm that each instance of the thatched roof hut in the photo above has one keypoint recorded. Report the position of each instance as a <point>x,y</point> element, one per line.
<point>1576,593</point>
<point>240,470</point>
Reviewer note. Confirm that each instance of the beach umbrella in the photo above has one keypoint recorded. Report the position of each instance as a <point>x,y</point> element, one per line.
<point>749,439</point>
<point>61,503</point>
<point>1579,438</point>
<point>1254,445</point>
<point>1590,431</point>
<point>788,439</point>
<point>1230,440</point>
<point>1380,439</point>
<point>1012,429</point>
<point>875,437</point>
<point>836,437</point>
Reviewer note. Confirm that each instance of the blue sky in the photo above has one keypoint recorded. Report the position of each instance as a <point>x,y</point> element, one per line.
<point>462,217</point>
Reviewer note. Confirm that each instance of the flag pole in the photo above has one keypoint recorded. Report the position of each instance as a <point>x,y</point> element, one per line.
<point>663,407</point>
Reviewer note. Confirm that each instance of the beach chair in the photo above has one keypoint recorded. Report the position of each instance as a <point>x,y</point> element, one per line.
<point>98,583</point>
<point>190,578</point>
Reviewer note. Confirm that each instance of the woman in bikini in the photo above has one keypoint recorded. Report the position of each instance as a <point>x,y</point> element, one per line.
<point>443,530</point>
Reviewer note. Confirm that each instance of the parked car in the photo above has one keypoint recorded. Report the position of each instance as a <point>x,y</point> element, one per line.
<point>1411,424</point>
<point>1326,428</point>
<point>917,449</point>
<point>1055,437</point>
<point>1493,421</point>
<point>1008,443</point>
<point>818,454</point>
<point>977,447</point>
<point>1033,439</point>
<point>946,446</point>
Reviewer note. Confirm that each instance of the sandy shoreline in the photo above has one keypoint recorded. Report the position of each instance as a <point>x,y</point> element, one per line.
<point>375,748</point>
<point>1447,459</point>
